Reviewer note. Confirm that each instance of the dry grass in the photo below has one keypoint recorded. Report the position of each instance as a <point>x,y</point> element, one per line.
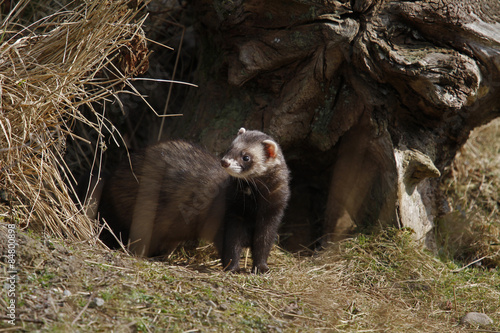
<point>49,70</point>
<point>379,283</point>
<point>472,230</point>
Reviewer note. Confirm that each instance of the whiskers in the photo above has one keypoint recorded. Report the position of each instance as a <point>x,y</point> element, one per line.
<point>254,185</point>
<point>262,184</point>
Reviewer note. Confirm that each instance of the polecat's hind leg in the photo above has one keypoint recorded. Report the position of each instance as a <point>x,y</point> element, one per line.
<point>164,251</point>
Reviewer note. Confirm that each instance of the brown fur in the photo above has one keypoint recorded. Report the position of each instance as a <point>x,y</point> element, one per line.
<point>174,192</point>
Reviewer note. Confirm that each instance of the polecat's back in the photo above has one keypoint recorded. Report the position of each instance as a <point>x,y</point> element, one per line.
<point>175,193</point>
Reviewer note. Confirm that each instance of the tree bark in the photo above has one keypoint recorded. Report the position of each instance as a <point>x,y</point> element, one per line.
<point>370,100</point>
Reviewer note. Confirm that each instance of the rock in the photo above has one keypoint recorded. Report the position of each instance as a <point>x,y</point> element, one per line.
<point>476,319</point>
<point>97,301</point>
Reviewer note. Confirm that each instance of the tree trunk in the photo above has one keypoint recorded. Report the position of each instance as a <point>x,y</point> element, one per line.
<point>370,100</point>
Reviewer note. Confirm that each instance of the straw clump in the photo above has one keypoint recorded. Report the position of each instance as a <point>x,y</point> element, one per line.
<point>49,71</point>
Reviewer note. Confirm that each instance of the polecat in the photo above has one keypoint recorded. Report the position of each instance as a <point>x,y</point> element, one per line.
<point>256,198</point>
<point>177,192</point>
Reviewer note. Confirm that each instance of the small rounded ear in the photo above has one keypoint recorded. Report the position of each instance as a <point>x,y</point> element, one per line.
<point>271,148</point>
<point>242,130</point>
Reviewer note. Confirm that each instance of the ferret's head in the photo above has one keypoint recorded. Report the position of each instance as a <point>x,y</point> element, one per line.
<point>252,154</point>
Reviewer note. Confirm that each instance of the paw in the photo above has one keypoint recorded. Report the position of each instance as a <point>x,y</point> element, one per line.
<point>232,268</point>
<point>259,269</point>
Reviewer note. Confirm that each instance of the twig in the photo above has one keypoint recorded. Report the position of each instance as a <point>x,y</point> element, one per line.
<point>116,267</point>
<point>83,310</point>
<point>302,317</point>
<point>455,298</point>
<point>165,109</point>
<point>469,264</point>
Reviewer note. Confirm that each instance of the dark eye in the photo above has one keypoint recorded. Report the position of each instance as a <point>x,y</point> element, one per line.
<point>246,158</point>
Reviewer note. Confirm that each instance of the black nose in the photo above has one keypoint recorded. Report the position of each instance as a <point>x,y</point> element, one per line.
<point>224,163</point>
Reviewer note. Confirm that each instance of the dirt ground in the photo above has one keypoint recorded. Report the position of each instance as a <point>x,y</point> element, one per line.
<point>381,284</point>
